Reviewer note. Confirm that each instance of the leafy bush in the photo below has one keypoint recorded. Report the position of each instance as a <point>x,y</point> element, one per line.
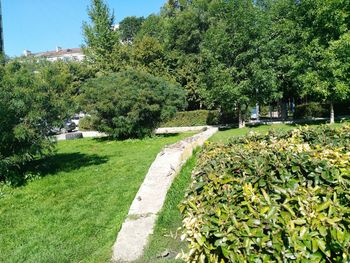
<point>199,118</point>
<point>131,104</point>
<point>30,106</point>
<point>311,110</point>
<point>88,123</point>
<point>193,118</point>
<point>264,111</point>
<point>272,198</point>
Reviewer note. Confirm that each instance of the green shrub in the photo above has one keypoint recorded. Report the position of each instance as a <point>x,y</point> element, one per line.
<point>200,118</point>
<point>264,111</point>
<point>131,104</point>
<point>31,104</point>
<point>88,123</point>
<point>273,198</point>
<point>311,110</point>
<point>193,118</point>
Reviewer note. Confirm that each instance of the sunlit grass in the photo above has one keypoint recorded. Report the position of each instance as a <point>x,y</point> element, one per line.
<point>74,212</point>
<point>225,135</point>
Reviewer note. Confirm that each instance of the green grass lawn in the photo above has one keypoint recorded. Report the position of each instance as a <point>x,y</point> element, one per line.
<point>74,212</point>
<point>166,234</point>
<point>224,136</point>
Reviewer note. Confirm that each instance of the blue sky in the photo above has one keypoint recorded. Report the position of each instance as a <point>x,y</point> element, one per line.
<point>41,25</point>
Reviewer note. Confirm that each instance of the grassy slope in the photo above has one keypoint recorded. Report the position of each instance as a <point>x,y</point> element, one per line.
<point>74,213</point>
<point>170,218</point>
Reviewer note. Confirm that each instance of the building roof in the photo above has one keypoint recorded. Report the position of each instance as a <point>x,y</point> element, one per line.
<point>59,52</point>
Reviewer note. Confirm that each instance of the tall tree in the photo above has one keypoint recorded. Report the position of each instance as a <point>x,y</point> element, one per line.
<point>240,71</point>
<point>152,26</point>
<point>129,27</point>
<point>326,26</point>
<point>283,43</point>
<point>148,55</point>
<point>184,24</point>
<point>101,40</point>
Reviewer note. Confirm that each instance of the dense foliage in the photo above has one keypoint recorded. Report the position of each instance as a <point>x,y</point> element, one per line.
<point>32,103</point>
<point>193,118</point>
<point>311,110</point>
<point>232,55</point>
<point>129,27</point>
<point>131,104</point>
<point>199,118</point>
<point>265,198</point>
<point>88,123</point>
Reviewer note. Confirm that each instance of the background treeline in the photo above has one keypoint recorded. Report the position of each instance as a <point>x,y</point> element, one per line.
<point>232,55</point>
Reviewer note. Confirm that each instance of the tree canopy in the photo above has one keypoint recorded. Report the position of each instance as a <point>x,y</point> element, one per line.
<point>235,54</point>
<point>101,40</point>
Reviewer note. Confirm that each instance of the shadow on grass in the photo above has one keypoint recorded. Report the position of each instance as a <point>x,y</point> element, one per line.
<point>51,165</point>
<point>64,162</point>
<point>110,138</point>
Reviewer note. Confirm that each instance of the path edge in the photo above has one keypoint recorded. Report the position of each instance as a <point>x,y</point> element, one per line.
<point>143,213</point>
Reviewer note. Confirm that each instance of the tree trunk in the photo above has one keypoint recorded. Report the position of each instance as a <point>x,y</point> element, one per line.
<point>257,112</point>
<point>270,111</point>
<point>241,119</point>
<point>284,110</point>
<point>279,108</point>
<point>332,114</point>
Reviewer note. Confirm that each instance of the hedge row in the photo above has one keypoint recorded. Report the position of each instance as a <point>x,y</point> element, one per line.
<point>193,118</point>
<point>271,198</point>
<point>200,118</point>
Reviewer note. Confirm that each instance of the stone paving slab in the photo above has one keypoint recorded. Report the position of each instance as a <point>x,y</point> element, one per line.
<point>150,198</point>
<point>137,231</point>
<point>167,130</point>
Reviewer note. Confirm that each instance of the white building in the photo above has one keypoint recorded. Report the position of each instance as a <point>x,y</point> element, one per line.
<point>69,54</point>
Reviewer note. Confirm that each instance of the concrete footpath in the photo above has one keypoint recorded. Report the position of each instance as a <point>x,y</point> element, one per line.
<point>167,130</point>
<point>142,216</point>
